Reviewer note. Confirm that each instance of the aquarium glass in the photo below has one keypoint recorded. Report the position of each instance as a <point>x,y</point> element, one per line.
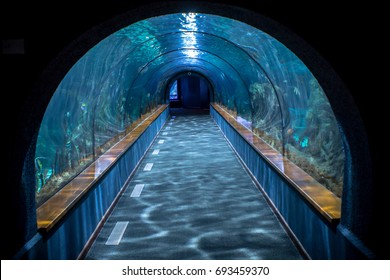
<point>254,77</point>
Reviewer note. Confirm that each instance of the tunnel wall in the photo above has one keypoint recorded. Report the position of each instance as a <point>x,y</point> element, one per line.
<point>319,238</point>
<point>67,240</point>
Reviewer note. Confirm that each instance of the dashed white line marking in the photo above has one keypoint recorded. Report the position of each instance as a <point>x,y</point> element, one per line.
<point>161,141</point>
<point>148,167</point>
<point>137,190</point>
<point>165,133</point>
<point>117,233</point>
<point>156,151</point>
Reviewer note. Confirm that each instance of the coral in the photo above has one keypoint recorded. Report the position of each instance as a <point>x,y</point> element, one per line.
<point>322,173</point>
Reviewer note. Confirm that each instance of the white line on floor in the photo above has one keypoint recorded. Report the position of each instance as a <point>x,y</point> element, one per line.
<point>137,190</point>
<point>171,123</point>
<point>161,141</point>
<point>148,167</point>
<point>156,151</point>
<point>165,133</point>
<point>117,233</point>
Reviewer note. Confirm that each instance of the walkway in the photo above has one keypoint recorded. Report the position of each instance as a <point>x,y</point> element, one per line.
<point>192,199</point>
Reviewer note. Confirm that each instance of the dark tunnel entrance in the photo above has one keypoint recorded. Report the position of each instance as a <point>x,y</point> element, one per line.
<point>189,91</point>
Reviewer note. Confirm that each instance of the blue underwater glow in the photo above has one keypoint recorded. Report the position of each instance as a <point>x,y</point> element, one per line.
<point>126,75</point>
<point>304,142</point>
<point>173,92</point>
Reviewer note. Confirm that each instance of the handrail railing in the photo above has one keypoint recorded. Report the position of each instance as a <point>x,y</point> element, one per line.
<point>56,207</point>
<point>322,199</point>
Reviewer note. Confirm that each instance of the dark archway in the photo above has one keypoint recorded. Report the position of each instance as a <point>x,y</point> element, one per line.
<point>189,90</point>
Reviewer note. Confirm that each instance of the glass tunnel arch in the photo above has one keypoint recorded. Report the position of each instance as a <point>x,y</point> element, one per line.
<point>253,76</point>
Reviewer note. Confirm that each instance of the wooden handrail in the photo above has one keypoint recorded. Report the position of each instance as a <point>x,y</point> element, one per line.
<point>56,207</point>
<point>322,199</point>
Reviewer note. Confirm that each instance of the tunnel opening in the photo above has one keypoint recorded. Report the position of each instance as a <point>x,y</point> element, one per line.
<point>189,91</point>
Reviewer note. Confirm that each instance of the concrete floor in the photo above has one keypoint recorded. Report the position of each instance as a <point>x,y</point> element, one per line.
<point>195,202</point>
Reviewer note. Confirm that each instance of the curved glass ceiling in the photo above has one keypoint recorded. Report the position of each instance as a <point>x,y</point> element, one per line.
<point>254,77</point>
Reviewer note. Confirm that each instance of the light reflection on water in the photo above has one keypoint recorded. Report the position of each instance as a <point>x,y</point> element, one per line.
<point>197,203</point>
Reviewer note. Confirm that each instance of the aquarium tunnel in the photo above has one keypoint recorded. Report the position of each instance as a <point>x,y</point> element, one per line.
<point>194,134</point>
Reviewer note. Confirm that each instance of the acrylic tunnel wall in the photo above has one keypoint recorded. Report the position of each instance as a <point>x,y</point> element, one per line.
<point>254,76</point>
<point>126,77</point>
